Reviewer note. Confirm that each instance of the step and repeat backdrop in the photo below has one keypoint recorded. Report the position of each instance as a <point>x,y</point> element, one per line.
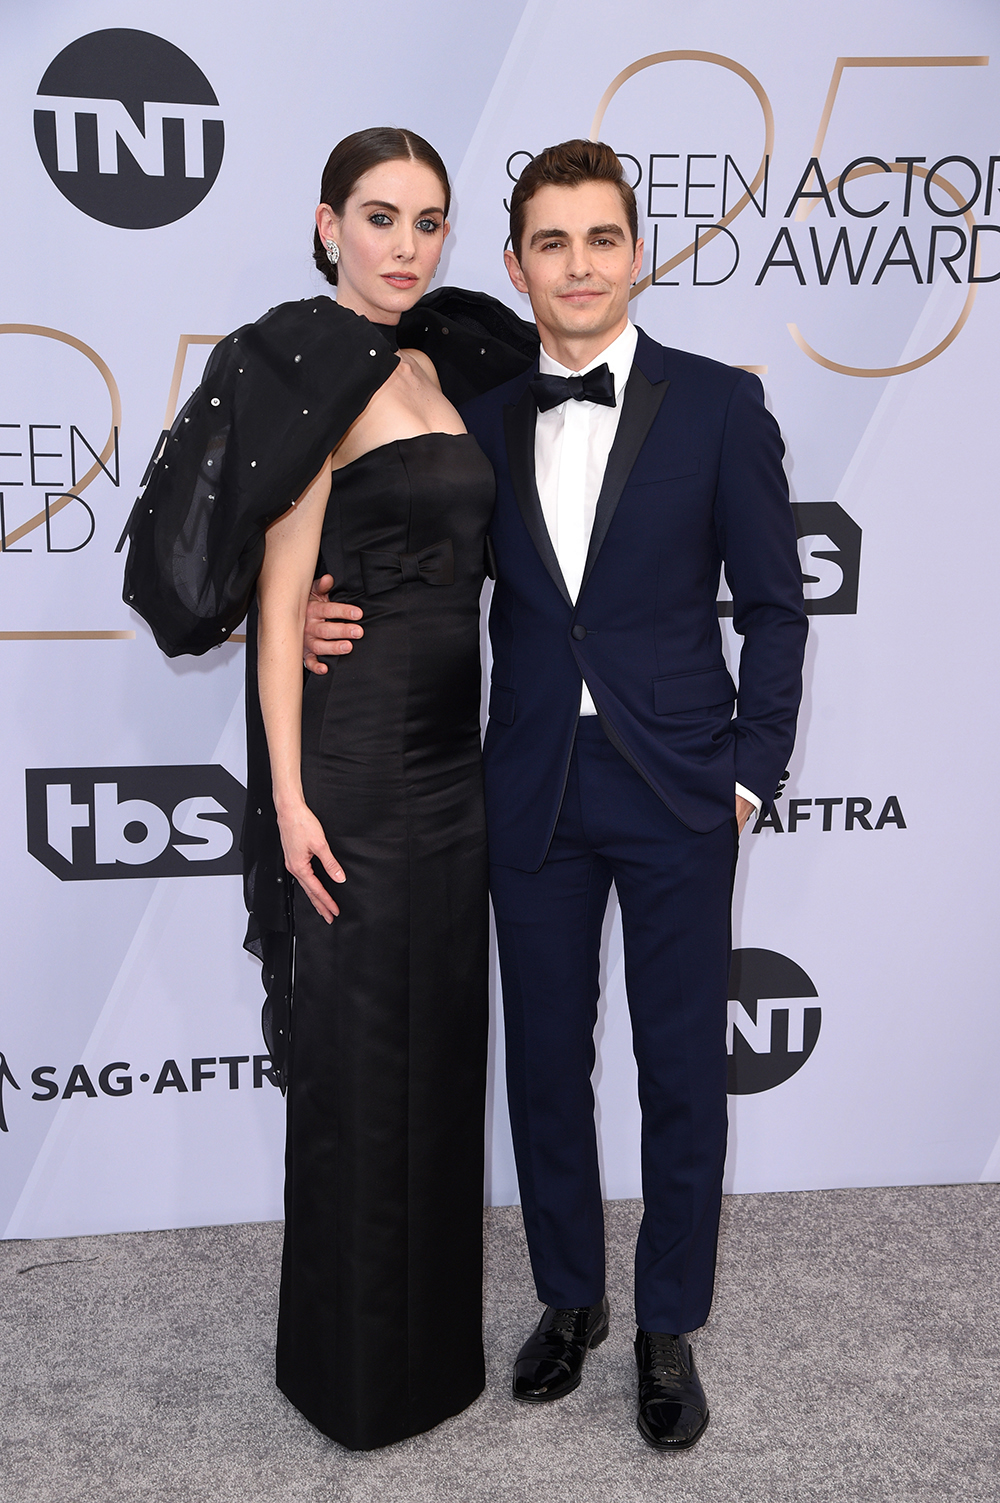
<point>820,197</point>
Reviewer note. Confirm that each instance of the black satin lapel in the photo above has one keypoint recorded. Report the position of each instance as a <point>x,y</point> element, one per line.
<point>640,404</point>
<point>519,430</point>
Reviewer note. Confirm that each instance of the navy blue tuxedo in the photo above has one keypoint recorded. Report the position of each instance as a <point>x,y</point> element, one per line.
<point>642,796</point>
<point>694,480</point>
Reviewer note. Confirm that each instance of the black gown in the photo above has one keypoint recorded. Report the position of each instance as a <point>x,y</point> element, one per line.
<point>380,1323</point>
<point>380,1326</point>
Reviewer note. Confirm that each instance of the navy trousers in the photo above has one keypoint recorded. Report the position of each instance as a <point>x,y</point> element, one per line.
<point>674,888</point>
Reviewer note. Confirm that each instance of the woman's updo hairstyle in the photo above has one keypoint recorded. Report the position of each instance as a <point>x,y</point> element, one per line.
<point>355,155</point>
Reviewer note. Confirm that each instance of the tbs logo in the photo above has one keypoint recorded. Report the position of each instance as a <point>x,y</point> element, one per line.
<point>829,543</point>
<point>129,128</point>
<point>93,822</point>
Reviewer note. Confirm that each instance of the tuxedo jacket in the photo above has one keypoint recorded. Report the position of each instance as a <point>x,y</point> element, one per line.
<point>694,480</point>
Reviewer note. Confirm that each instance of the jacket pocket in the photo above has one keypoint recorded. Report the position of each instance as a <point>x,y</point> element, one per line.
<point>693,691</point>
<point>502,704</point>
<point>659,473</point>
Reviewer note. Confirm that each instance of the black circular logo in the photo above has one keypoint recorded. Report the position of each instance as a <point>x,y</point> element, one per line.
<point>129,128</point>
<point>772,1031</point>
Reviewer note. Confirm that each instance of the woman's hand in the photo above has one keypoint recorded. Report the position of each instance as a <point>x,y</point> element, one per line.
<point>302,839</point>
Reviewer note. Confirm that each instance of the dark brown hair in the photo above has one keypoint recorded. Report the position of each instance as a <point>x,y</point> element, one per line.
<point>355,155</point>
<point>568,165</point>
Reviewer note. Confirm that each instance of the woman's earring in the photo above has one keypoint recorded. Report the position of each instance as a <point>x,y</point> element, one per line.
<point>332,252</point>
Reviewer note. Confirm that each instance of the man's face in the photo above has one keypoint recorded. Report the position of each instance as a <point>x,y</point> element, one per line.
<point>577,262</point>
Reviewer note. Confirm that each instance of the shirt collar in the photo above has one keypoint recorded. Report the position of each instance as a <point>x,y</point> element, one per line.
<point>618,357</point>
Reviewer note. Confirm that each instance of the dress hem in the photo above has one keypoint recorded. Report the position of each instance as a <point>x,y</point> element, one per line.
<point>420,1427</point>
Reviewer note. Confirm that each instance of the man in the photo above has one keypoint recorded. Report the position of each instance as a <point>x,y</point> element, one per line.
<point>626,474</point>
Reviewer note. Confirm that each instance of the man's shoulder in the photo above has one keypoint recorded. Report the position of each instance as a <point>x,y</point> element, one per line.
<point>710,376</point>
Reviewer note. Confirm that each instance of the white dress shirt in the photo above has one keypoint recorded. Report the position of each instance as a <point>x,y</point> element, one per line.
<point>572,444</point>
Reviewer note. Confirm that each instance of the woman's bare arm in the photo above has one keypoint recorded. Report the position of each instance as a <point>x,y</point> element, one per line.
<point>292,546</point>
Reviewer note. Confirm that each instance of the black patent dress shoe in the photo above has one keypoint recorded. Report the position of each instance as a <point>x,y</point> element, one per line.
<point>673,1410</point>
<point>550,1362</point>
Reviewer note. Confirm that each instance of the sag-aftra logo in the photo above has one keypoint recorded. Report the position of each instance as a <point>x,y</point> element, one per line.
<point>118,1079</point>
<point>129,128</point>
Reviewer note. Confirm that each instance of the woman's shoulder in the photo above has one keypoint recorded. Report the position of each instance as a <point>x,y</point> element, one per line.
<point>276,397</point>
<point>290,329</point>
<point>304,352</point>
<point>300,312</point>
<point>474,341</point>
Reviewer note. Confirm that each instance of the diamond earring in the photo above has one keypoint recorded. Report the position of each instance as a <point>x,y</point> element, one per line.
<point>332,252</point>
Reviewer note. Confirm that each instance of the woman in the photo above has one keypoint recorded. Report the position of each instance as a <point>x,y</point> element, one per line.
<point>312,447</point>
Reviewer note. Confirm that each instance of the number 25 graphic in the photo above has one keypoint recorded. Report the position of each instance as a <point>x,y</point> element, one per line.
<point>718,60</point>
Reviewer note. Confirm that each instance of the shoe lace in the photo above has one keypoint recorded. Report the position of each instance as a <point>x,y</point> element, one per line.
<point>565,1322</point>
<point>666,1365</point>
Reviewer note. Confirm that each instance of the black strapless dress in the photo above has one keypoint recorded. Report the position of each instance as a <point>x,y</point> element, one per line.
<point>380,1323</point>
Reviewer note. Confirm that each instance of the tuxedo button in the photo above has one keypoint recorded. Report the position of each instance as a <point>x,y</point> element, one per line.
<point>578,633</point>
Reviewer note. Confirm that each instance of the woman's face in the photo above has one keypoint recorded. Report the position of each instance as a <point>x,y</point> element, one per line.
<point>390,234</point>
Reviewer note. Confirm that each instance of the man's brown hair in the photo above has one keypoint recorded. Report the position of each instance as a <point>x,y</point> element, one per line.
<point>568,165</point>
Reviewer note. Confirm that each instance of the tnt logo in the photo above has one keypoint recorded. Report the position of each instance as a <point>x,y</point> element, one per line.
<point>773,1022</point>
<point>129,128</point>
<point>93,822</point>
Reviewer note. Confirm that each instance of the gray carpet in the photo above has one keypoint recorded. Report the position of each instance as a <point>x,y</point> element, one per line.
<point>852,1354</point>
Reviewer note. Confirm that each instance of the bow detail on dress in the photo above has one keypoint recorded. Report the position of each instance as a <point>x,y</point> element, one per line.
<point>434,565</point>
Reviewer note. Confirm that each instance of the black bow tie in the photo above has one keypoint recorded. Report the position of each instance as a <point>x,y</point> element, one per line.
<point>596,386</point>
